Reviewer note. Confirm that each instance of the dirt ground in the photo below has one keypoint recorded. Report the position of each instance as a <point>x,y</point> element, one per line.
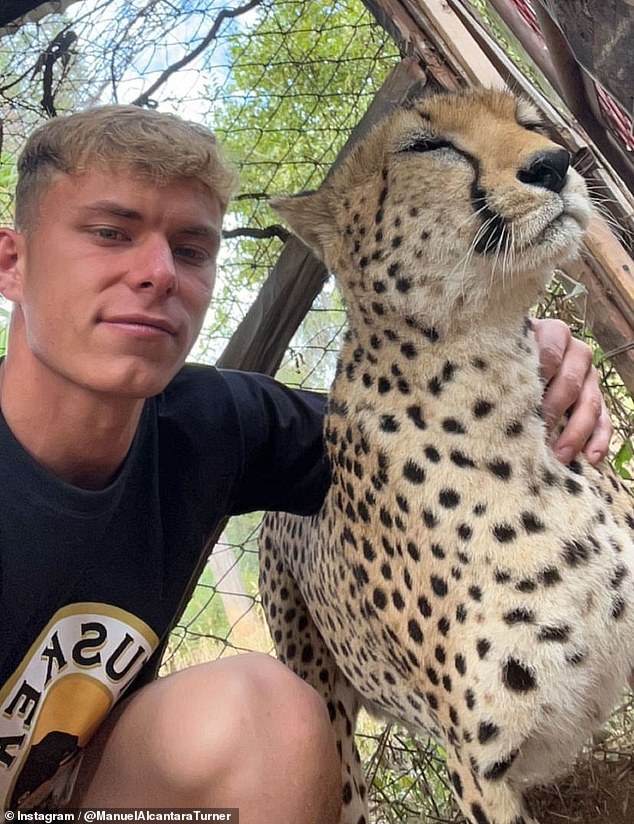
<point>600,791</point>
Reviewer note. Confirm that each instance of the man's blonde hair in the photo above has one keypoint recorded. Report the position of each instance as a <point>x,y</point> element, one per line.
<point>156,146</point>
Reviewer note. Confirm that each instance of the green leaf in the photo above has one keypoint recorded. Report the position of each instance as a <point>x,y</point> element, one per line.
<point>623,457</point>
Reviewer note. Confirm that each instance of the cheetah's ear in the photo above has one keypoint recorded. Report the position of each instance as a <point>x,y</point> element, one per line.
<point>309,216</point>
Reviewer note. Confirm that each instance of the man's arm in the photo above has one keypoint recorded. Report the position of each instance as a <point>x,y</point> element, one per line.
<point>284,464</point>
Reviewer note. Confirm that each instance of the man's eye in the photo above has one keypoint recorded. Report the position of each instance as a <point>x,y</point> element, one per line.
<point>192,254</point>
<point>108,233</point>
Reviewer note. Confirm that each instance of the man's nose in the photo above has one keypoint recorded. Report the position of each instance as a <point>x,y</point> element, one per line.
<point>154,267</point>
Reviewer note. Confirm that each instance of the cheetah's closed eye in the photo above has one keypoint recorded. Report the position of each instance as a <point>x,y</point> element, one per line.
<point>458,578</point>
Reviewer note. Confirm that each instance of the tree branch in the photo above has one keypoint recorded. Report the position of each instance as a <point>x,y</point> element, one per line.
<point>270,231</point>
<point>60,48</point>
<point>252,196</point>
<point>224,14</point>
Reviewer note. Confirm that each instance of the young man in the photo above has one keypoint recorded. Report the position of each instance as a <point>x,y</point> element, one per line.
<point>119,461</point>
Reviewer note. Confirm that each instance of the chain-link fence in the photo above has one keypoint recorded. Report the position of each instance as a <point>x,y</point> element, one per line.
<point>283,83</point>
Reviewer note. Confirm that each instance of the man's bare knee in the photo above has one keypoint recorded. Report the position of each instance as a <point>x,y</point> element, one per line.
<point>248,714</point>
<point>240,732</point>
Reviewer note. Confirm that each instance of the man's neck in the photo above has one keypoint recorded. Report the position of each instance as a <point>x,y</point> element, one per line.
<point>80,437</point>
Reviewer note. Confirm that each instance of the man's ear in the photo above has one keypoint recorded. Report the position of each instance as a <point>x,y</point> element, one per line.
<point>309,216</point>
<point>11,257</point>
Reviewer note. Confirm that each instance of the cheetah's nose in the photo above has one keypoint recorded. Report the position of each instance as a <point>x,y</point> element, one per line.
<point>547,169</point>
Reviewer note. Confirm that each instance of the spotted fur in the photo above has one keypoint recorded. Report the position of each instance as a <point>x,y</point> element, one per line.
<point>458,578</point>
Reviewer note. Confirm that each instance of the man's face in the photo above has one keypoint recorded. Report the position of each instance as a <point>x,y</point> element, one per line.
<point>116,276</point>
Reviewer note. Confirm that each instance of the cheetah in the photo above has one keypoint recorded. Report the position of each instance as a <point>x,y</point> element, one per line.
<point>458,579</point>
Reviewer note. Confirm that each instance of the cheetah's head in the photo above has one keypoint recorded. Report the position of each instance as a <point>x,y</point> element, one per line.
<point>458,201</point>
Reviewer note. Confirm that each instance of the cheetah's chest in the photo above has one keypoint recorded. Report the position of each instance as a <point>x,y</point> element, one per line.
<point>432,556</point>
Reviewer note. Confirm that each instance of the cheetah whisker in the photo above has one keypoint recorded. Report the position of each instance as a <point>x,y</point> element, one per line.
<point>468,255</point>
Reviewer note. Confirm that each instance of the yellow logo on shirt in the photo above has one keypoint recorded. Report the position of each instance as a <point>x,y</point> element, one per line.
<point>66,685</point>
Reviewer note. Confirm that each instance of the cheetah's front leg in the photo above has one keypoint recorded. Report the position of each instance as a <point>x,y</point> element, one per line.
<point>300,646</point>
<point>485,799</point>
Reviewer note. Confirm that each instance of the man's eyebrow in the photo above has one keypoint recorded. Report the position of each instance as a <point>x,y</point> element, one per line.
<point>115,208</point>
<point>202,230</point>
<point>112,207</point>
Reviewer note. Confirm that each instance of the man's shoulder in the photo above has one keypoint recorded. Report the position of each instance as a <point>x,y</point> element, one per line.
<point>200,380</point>
<point>194,377</point>
<point>205,397</point>
<point>269,433</point>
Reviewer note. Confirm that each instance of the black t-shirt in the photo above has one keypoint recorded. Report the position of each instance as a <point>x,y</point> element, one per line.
<point>91,581</point>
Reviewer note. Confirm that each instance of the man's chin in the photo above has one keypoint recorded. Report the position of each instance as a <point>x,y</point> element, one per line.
<point>133,383</point>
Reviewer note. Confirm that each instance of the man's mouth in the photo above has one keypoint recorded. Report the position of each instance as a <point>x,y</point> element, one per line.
<point>142,323</point>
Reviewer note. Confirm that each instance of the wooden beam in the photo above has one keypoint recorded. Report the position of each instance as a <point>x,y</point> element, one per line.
<point>515,25</point>
<point>260,341</point>
<point>450,37</point>
<point>612,265</point>
<point>395,18</point>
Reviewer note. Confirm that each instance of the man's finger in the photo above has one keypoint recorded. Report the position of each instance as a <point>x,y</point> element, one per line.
<point>553,338</point>
<point>599,442</point>
<point>568,387</point>
<point>588,427</point>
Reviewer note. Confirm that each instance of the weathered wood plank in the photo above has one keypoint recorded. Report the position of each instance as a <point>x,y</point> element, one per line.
<point>612,265</point>
<point>407,34</point>
<point>450,37</point>
<point>606,320</point>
